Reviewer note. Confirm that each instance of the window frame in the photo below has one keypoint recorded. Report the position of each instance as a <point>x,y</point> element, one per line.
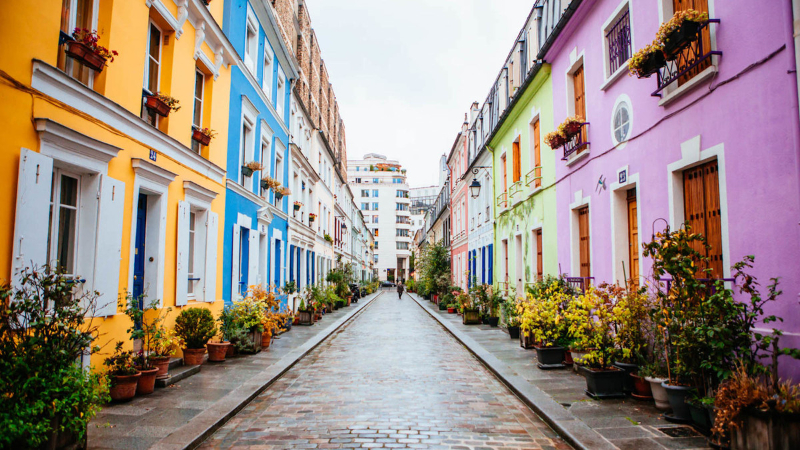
<point>249,58</point>
<point>268,80</point>
<point>69,63</point>
<point>55,216</point>
<point>608,76</point>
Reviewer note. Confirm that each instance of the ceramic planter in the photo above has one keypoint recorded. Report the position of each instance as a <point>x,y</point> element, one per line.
<point>766,430</point>
<point>513,332</point>
<point>193,356</point>
<point>217,351</point>
<point>156,105</point>
<point>492,321</point>
<point>651,63</point>
<point>677,401</point>
<point>162,364</point>
<point>550,357</point>
<point>147,381</point>
<point>451,310</point>
<point>641,388</point>
<point>85,55</point>
<point>198,136</point>
<point>659,393</point>
<point>246,171</point>
<point>680,38</point>
<point>123,387</point>
<point>629,369</point>
<point>607,383</point>
<point>471,317</point>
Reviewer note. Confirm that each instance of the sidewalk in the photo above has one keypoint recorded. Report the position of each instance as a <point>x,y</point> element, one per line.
<point>558,395</point>
<point>183,415</point>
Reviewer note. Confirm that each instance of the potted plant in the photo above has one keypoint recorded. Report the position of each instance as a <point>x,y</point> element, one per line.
<point>469,309</point>
<point>271,318</point>
<point>250,317</point>
<point>267,182</point>
<point>328,238</point>
<point>631,320</point>
<point>680,31</point>
<point>655,374</point>
<point>542,317</point>
<point>280,192</point>
<point>511,313</point>
<point>146,327</point>
<point>161,104</point>
<point>123,373</point>
<point>312,217</point>
<point>555,139</point>
<point>217,351</point>
<point>571,126</point>
<point>250,167</point>
<point>87,51</point>
<point>297,206</point>
<point>203,135</point>
<point>228,328</point>
<point>195,327</point>
<point>305,313</point>
<point>647,60</point>
<point>163,346</point>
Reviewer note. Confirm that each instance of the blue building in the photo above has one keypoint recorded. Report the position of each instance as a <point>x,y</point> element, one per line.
<point>256,221</point>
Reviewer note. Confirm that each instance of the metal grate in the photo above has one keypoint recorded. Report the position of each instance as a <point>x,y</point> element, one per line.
<point>619,42</point>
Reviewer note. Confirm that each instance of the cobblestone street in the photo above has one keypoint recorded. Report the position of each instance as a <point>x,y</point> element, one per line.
<point>393,378</point>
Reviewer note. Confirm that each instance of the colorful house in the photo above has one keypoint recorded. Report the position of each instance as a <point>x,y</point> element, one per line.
<point>481,199</point>
<point>102,181</point>
<point>710,140</point>
<point>457,162</point>
<point>256,225</point>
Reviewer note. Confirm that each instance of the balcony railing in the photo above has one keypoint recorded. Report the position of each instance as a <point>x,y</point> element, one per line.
<point>515,189</point>
<point>532,176</point>
<point>502,200</point>
<point>687,58</point>
<point>576,143</point>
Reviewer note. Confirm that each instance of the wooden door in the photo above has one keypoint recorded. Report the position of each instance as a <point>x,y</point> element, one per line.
<point>539,259</point>
<point>701,6</point>
<point>580,101</point>
<point>516,161</point>
<point>584,247</point>
<point>702,210</point>
<point>633,239</point>
<point>537,157</point>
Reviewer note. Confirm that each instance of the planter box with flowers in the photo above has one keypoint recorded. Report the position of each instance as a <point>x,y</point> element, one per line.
<point>203,135</point>
<point>161,104</point>
<point>250,167</point>
<point>681,30</point>
<point>297,206</point>
<point>267,182</point>
<point>647,61</point>
<point>328,238</point>
<point>281,191</point>
<point>87,51</point>
<point>311,217</point>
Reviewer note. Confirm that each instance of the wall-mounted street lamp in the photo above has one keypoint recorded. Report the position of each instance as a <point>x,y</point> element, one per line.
<point>475,186</point>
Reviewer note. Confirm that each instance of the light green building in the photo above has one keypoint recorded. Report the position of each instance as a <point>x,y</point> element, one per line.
<point>524,179</point>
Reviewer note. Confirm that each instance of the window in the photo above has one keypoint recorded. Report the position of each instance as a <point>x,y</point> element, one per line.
<point>376,245</point>
<point>280,99</point>
<point>192,220</point>
<point>375,193</point>
<point>402,245</point>
<point>375,180</point>
<point>401,207</point>
<point>397,180</point>
<point>62,233</point>
<point>375,257</point>
<point>152,70</point>
<point>402,233</point>
<point>375,232</point>
<point>622,122</point>
<point>268,77</point>
<point>515,160</point>
<point>618,41</point>
<point>375,219</point>
<point>374,206</point>
<point>688,54</point>
<point>76,14</point>
<point>580,101</point>
<point>247,141</point>
<point>197,113</point>
<point>251,43</point>
<point>365,193</point>
<point>365,206</point>
<point>265,157</point>
<point>358,180</point>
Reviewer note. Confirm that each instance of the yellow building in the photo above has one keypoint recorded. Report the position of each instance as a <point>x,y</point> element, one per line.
<point>95,181</point>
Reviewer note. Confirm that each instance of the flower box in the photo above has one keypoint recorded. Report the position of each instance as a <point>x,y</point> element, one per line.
<point>199,136</point>
<point>156,105</point>
<point>278,196</point>
<point>680,38</point>
<point>604,383</point>
<point>572,128</point>
<point>83,53</point>
<point>265,186</point>
<point>305,317</point>
<point>550,357</point>
<point>246,171</point>
<point>651,64</point>
<point>471,317</point>
<point>296,207</point>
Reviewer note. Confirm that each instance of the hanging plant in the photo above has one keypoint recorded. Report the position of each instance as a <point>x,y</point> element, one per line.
<point>162,104</point>
<point>203,135</point>
<point>86,49</point>
<point>676,33</point>
<point>571,126</point>
<point>555,139</point>
<point>647,61</point>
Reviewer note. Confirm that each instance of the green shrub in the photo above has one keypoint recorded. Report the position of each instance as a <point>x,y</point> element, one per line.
<point>195,326</point>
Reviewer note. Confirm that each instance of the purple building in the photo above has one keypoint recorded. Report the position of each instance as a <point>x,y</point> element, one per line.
<point>711,139</point>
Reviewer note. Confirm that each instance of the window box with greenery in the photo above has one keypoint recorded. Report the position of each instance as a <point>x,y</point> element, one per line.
<point>681,30</point>
<point>281,192</point>
<point>267,182</point>
<point>250,167</point>
<point>203,135</point>
<point>555,139</point>
<point>328,238</point>
<point>647,61</point>
<point>85,49</point>
<point>44,328</point>
<point>571,126</point>
<point>312,217</point>
<point>195,327</point>
<point>297,206</point>
<point>161,104</point>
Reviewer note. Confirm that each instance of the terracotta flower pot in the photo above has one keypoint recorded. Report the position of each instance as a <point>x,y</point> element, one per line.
<point>83,53</point>
<point>198,136</point>
<point>162,364</point>
<point>230,350</point>
<point>266,339</point>
<point>451,310</point>
<point>147,381</point>
<point>568,357</point>
<point>193,356</point>
<point>217,351</point>
<point>641,388</point>
<point>158,106</point>
<point>123,387</point>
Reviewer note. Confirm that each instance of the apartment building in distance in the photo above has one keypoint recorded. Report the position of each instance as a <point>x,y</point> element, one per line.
<point>381,193</point>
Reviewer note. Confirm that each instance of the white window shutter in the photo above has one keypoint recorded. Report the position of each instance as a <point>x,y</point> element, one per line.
<point>182,255</point>
<point>111,212</point>
<point>235,263</point>
<point>252,269</point>
<point>33,206</point>
<point>210,275</point>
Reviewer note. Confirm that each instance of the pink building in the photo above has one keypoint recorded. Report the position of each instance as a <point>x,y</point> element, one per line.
<point>458,162</point>
<point>712,140</point>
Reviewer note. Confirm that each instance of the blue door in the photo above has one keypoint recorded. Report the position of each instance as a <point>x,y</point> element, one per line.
<point>277,264</point>
<point>244,260</point>
<point>138,259</point>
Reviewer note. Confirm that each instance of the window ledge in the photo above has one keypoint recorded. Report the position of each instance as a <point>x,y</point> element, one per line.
<point>578,157</point>
<point>614,76</point>
<point>693,83</point>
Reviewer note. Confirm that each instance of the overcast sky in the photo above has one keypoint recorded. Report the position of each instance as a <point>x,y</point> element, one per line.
<point>405,71</point>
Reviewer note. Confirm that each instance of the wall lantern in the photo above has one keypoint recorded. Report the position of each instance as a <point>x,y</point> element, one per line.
<point>475,188</point>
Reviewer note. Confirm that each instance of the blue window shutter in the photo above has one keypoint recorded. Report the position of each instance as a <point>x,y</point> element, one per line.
<point>291,263</point>
<point>491,265</point>
<point>313,267</point>
<point>277,264</point>
<point>483,265</point>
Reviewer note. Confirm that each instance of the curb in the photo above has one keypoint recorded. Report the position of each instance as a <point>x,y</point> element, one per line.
<point>200,427</point>
<point>569,427</point>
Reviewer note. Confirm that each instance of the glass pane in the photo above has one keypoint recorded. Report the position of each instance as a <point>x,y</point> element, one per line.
<point>153,62</point>
<point>83,17</point>
<point>69,191</point>
<point>198,106</point>
<point>198,85</point>
<point>65,253</point>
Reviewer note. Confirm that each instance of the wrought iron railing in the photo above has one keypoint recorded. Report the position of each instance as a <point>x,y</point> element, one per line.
<point>619,42</point>
<point>502,200</point>
<point>579,283</point>
<point>531,176</point>
<point>576,143</point>
<point>687,58</point>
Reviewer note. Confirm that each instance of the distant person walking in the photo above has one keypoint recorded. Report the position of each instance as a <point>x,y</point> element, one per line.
<point>400,289</point>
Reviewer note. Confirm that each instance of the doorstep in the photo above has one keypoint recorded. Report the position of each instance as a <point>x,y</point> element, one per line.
<point>185,413</point>
<point>558,397</point>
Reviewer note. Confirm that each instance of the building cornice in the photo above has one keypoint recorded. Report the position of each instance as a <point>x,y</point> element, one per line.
<point>239,189</point>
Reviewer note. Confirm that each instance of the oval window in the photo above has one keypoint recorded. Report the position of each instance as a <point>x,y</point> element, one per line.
<point>622,122</point>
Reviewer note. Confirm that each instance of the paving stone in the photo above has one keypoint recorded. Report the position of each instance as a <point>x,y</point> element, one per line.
<point>395,378</point>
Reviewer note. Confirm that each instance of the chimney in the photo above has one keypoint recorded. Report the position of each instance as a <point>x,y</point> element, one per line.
<point>473,112</point>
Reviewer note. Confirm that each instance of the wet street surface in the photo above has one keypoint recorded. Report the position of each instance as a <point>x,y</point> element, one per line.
<point>392,378</point>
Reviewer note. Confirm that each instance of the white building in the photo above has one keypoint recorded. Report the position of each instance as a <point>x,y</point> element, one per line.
<point>381,193</point>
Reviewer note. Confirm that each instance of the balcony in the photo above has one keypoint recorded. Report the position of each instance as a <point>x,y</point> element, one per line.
<point>576,143</point>
<point>502,200</point>
<point>515,189</point>
<point>534,175</point>
<point>687,59</point>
